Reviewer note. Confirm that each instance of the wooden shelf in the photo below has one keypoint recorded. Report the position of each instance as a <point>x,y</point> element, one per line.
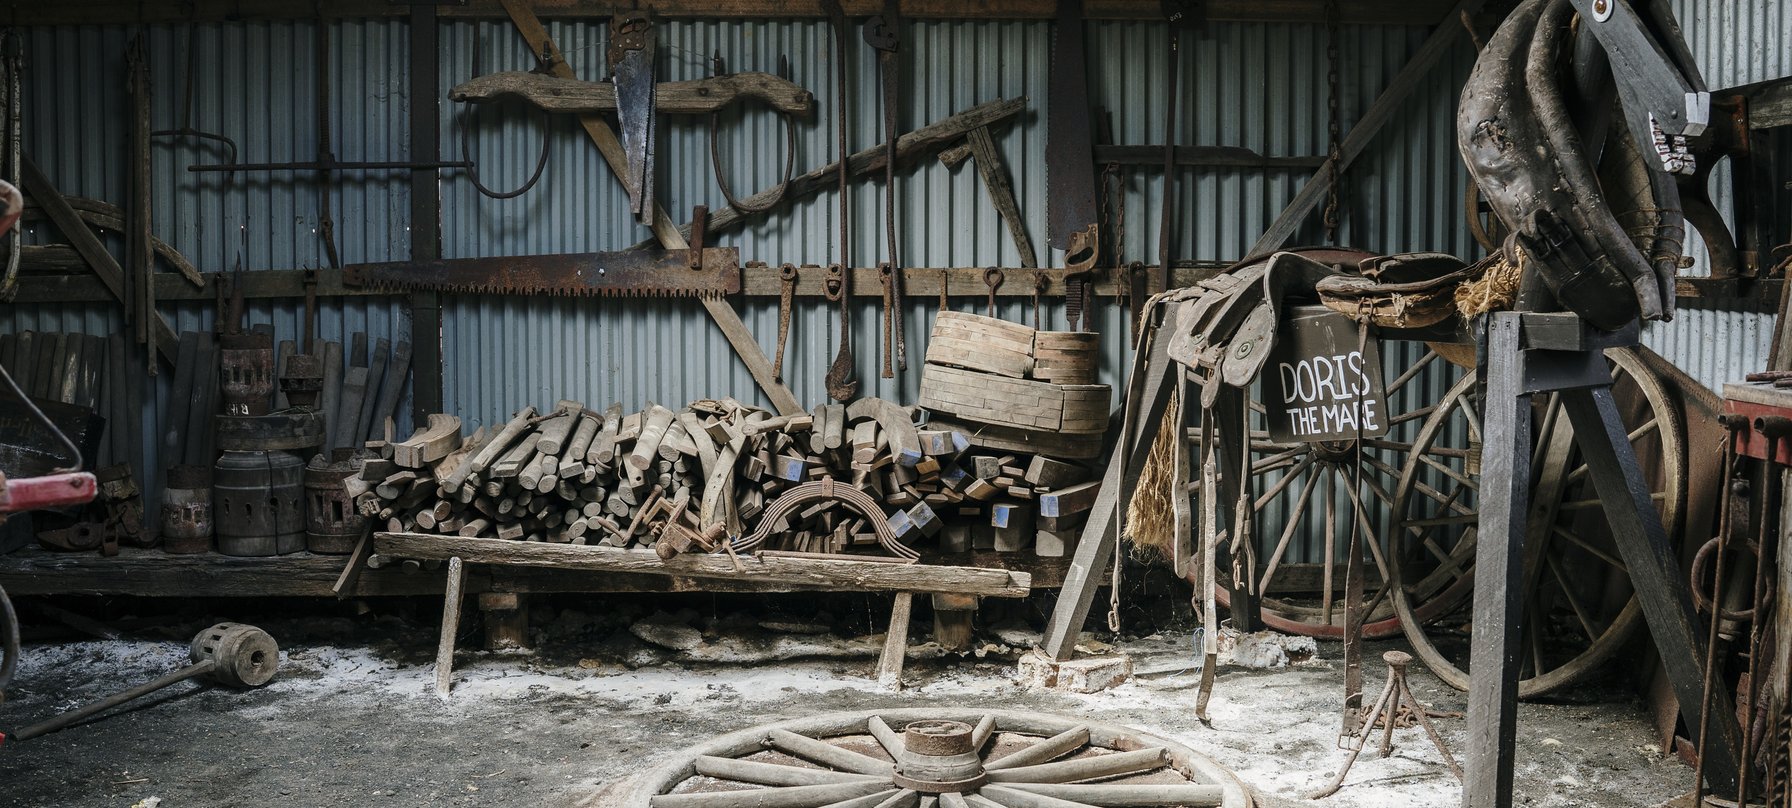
<point>153,573</point>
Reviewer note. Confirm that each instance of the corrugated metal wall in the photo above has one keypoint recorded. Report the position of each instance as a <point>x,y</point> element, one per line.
<point>1736,42</point>
<point>1260,86</point>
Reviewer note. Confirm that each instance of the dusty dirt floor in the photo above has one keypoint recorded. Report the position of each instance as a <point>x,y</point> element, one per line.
<point>349,722</point>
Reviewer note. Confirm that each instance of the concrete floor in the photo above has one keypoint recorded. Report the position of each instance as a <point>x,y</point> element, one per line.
<point>349,721</point>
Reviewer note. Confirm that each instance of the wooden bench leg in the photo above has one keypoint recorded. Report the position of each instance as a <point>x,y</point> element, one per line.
<point>889,666</point>
<point>457,576</point>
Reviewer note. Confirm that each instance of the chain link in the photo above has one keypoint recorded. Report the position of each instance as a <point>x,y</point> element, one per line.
<point>1334,124</point>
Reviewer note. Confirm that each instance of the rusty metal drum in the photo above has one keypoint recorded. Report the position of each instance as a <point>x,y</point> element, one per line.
<point>258,503</point>
<point>187,510</point>
<point>332,524</point>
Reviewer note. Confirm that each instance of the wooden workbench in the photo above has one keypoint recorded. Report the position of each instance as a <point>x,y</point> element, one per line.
<point>152,573</point>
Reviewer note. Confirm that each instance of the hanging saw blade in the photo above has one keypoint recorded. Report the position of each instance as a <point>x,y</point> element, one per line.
<point>1072,223</point>
<point>630,58</point>
<point>629,273</point>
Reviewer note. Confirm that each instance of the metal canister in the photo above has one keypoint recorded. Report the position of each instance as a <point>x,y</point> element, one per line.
<point>187,510</point>
<point>303,381</point>
<point>332,524</point>
<point>258,503</point>
<point>246,373</point>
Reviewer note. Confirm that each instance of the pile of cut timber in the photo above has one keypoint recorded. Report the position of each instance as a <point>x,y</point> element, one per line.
<point>575,475</point>
<point>1011,388</point>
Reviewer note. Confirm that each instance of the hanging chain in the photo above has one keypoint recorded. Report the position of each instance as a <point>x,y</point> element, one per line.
<point>1334,126</point>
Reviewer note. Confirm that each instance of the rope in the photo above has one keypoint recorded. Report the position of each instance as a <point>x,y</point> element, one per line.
<point>1495,290</point>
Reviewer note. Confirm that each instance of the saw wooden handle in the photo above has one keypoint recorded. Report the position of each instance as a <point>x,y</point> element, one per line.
<point>696,97</point>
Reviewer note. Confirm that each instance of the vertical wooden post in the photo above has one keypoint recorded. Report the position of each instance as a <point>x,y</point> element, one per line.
<point>451,598</point>
<point>426,211</point>
<point>506,619</point>
<point>889,666</point>
<point>1499,569</point>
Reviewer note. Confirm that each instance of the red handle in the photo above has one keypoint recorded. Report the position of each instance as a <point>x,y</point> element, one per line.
<point>53,491</point>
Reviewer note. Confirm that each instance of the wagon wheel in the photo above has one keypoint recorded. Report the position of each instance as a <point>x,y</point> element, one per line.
<point>1302,497</point>
<point>955,758</point>
<point>1579,605</point>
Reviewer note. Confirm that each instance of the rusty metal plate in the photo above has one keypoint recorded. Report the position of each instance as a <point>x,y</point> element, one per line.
<point>629,273</point>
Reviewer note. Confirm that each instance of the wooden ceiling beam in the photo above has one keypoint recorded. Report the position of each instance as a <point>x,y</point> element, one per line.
<point>116,12</point>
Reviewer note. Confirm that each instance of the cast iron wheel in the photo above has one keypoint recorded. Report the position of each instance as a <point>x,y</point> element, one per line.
<point>895,758</point>
<point>1307,488</point>
<point>1580,590</point>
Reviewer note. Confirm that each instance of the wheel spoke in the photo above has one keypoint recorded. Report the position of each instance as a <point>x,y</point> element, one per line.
<point>1074,770</point>
<point>1294,519</point>
<point>1580,504</point>
<point>776,774</point>
<point>1447,471</point>
<point>985,728</point>
<point>886,737</point>
<point>1412,372</point>
<point>847,794</point>
<point>1651,425</point>
<point>827,754</point>
<point>1114,794</point>
<point>1412,415</point>
<point>1279,457</point>
<point>1283,483</point>
<point>1045,750</point>
<point>1594,551</point>
<point>1580,613</point>
<point>1331,540</point>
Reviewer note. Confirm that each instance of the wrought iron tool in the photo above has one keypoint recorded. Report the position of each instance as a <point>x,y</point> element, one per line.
<point>1071,216</point>
<point>786,299</point>
<point>631,68</point>
<point>840,382</point>
<point>883,32</point>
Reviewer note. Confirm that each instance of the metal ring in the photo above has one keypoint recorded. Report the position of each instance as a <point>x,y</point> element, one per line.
<point>715,164</point>
<point>473,168</point>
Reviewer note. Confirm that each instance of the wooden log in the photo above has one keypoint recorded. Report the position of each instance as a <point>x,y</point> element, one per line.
<point>1044,472</point>
<point>942,442</point>
<point>488,453</point>
<point>331,397</point>
<point>344,432</point>
<point>1070,501</point>
<point>365,419</point>
<point>654,424</point>
<point>925,520</point>
<point>1013,524</point>
<point>895,422</point>
<point>430,443</point>
<point>836,425</point>
<point>838,574</point>
<point>603,447</point>
<point>513,462</point>
<point>784,423</point>
<point>579,445</point>
<point>391,386</point>
<point>818,433</point>
<point>555,429</point>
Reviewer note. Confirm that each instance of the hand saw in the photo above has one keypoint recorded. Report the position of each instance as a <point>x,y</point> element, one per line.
<point>630,273</point>
<point>1071,217</point>
<point>630,58</point>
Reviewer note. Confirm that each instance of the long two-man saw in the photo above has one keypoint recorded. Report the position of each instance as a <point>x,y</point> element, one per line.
<point>1071,217</point>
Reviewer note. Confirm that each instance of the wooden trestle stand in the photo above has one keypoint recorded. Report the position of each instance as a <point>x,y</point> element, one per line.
<point>1523,354</point>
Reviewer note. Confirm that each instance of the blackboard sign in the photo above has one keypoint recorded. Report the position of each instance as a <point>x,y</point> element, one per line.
<point>1318,385</point>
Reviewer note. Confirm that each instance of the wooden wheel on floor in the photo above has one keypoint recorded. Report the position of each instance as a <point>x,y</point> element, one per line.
<point>952,757</point>
<point>1304,504</point>
<point>1579,605</point>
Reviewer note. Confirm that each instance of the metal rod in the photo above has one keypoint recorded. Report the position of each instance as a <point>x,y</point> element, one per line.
<point>107,703</point>
<point>334,165</point>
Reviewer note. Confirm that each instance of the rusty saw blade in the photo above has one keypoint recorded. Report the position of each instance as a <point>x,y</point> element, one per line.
<point>1071,215</point>
<point>630,273</point>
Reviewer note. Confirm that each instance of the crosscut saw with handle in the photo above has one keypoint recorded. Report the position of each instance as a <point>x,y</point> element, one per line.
<point>630,59</point>
<point>628,273</point>
<point>1071,217</point>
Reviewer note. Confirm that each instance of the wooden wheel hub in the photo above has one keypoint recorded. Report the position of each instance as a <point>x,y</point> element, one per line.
<point>939,757</point>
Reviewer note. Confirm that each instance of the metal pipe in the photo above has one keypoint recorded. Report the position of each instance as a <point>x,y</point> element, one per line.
<point>107,703</point>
